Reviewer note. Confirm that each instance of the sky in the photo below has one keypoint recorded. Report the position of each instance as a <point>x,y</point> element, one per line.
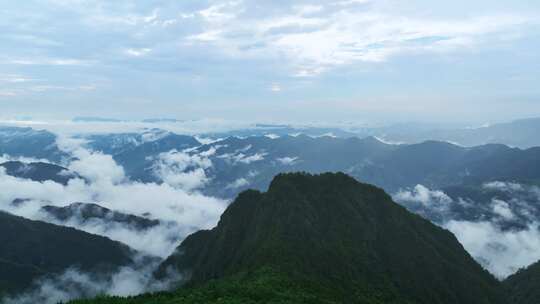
<point>282,61</point>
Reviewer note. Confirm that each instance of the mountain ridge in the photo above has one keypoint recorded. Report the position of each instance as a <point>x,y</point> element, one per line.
<point>302,243</point>
<point>30,249</point>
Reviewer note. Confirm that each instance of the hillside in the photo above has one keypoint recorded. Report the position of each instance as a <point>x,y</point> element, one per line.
<point>322,239</point>
<point>523,286</point>
<point>30,249</point>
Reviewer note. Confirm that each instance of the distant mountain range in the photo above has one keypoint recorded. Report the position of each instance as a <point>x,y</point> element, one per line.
<point>241,163</point>
<point>492,182</point>
<point>518,133</point>
<point>234,164</point>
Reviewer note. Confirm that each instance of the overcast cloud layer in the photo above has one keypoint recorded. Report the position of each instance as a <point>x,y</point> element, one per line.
<point>370,59</point>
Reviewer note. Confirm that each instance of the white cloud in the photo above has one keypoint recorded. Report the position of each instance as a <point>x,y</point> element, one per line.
<point>5,158</point>
<point>15,79</point>
<point>207,141</point>
<point>388,142</point>
<point>501,249</point>
<point>189,211</point>
<point>309,71</point>
<point>150,18</point>
<point>97,16</point>
<point>503,186</point>
<point>95,166</point>
<point>308,9</point>
<point>181,212</point>
<point>351,2</point>
<point>289,21</point>
<point>153,135</point>
<point>138,52</point>
<point>159,240</point>
<point>221,12</point>
<point>248,159</point>
<point>240,156</point>
<point>242,37</point>
<point>207,36</point>
<point>48,61</point>
<point>183,170</point>
<point>502,209</point>
<point>44,88</point>
<point>127,281</point>
<point>272,136</point>
<point>187,16</point>
<point>315,38</point>
<point>188,127</point>
<point>275,87</point>
<point>287,160</point>
<point>4,93</point>
<point>423,195</point>
<point>501,252</point>
<point>240,182</point>
<point>99,168</point>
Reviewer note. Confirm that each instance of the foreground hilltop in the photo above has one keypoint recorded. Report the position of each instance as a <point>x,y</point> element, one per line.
<point>323,239</point>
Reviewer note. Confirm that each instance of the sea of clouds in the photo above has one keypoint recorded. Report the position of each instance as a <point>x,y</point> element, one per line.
<point>500,248</point>
<point>176,203</point>
<point>181,208</point>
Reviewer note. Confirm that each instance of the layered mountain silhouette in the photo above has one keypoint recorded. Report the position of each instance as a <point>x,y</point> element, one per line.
<point>87,212</point>
<point>39,171</point>
<point>32,249</point>
<point>346,241</point>
<point>518,133</point>
<point>28,142</point>
<point>256,160</point>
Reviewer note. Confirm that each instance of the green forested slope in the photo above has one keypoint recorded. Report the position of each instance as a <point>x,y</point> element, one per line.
<point>30,249</point>
<point>322,239</point>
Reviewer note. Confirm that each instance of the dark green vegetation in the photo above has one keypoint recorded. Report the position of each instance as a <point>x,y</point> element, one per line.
<point>524,286</point>
<point>30,249</point>
<point>323,239</point>
<point>83,212</point>
<point>262,286</point>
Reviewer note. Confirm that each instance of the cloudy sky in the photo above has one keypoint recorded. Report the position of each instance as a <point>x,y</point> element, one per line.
<point>335,60</point>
